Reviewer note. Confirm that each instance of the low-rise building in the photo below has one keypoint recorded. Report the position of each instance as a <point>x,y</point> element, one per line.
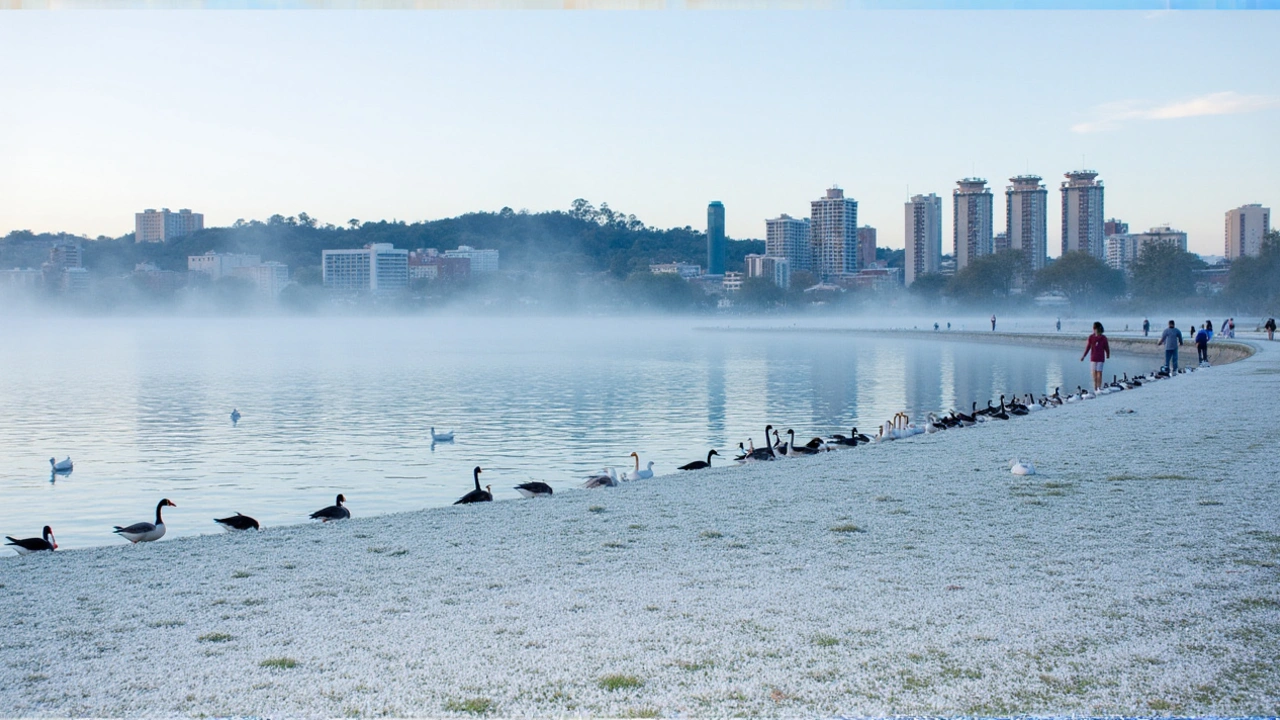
<point>1123,250</point>
<point>482,261</point>
<point>732,282</point>
<point>429,264</point>
<point>149,276</point>
<point>218,265</point>
<point>377,268</point>
<point>269,278</point>
<point>21,278</point>
<point>777,269</point>
<point>158,226</point>
<point>684,270</point>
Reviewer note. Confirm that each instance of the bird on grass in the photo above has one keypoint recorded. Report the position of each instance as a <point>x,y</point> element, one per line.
<point>336,511</point>
<point>477,495</point>
<point>145,531</point>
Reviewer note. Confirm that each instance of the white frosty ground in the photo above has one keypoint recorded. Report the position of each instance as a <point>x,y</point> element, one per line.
<point>1137,574</point>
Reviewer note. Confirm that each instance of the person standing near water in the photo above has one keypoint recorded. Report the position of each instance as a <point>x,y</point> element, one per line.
<point>1146,327</point>
<point>1058,324</point>
<point>1170,341</point>
<point>1098,351</point>
<point>993,323</point>
<point>1202,346</point>
<point>1270,327</point>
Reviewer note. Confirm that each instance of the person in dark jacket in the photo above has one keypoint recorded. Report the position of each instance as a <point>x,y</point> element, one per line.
<point>1202,346</point>
<point>1271,328</point>
<point>1098,351</point>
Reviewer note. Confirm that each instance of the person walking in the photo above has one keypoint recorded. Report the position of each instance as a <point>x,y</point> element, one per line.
<point>1098,351</point>
<point>1208,327</point>
<point>993,323</point>
<point>1146,327</point>
<point>1202,346</point>
<point>1059,324</point>
<point>1170,340</point>
<point>1231,327</point>
<point>1270,327</point>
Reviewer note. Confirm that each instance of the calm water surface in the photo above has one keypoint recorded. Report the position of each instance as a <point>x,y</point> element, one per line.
<point>344,405</point>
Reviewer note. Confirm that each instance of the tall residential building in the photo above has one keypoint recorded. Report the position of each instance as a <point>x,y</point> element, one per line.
<point>1115,227</point>
<point>1247,225</point>
<point>269,277</point>
<point>158,226</point>
<point>923,236</point>
<point>866,246</point>
<point>377,267</point>
<point>1124,249</point>
<point>973,213</point>
<point>1027,219</point>
<point>777,269</point>
<point>482,261</point>
<point>1082,215</point>
<point>717,248</point>
<point>218,265</point>
<point>789,237</point>
<point>833,234</point>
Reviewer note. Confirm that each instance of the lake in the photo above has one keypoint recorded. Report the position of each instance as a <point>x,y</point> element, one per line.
<point>345,405</point>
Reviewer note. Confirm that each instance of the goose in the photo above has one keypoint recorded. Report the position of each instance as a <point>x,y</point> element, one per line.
<point>336,511</point>
<point>699,464</point>
<point>639,474</point>
<point>145,531</point>
<point>1017,467</point>
<point>61,466</point>
<point>1000,413</point>
<point>1056,399</point>
<point>854,438</point>
<point>477,495</point>
<point>967,420</point>
<point>792,450</point>
<point>1132,381</point>
<point>441,437</point>
<point>931,425</point>
<point>26,546</point>
<point>534,489</point>
<point>238,521</point>
<point>604,478</point>
<point>235,416</point>
<point>1087,394</point>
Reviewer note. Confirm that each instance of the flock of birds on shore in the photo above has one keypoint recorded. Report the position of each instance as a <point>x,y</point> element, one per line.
<point>898,428</point>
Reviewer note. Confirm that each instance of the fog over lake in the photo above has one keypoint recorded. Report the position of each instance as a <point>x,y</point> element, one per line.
<point>345,405</point>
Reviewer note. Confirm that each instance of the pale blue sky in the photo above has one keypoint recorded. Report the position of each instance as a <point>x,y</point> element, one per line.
<point>421,115</point>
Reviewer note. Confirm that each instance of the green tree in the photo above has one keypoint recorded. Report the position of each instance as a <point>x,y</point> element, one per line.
<point>760,292</point>
<point>1253,283</point>
<point>1083,278</point>
<point>1163,271</point>
<point>928,286</point>
<point>663,291</point>
<point>986,277</point>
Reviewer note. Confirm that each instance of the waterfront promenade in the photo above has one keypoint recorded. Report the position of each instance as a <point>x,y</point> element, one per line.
<point>1137,574</point>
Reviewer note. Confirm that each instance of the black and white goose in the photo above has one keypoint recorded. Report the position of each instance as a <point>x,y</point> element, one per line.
<point>336,511</point>
<point>145,531</point>
<point>699,464</point>
<point>239,521</point>
<point>534,489</point>
<point>27,546</point>
<point>476,495</point>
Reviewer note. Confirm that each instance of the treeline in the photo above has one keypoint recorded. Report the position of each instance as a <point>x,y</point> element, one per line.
<point>584,238</point>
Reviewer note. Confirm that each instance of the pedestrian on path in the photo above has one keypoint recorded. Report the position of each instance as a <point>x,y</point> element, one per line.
<point>1202,346</point>
<point>1271,328</point>
<point>993,323</point>
<point>1098,351</point>
<point>1171,340</point>
<point>1059,324</point>
<point>1146,327</point>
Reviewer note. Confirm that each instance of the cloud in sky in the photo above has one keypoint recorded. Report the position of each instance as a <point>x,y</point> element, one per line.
<point>1110,116</point>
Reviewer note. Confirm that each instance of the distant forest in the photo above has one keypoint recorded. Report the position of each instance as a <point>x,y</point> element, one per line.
<point>584,238</point>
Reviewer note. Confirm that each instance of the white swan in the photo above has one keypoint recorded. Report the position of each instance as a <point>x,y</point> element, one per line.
<point>1017,467</point>
<point>61,465</point>
<point>441,437</point>
<point>639,474</point>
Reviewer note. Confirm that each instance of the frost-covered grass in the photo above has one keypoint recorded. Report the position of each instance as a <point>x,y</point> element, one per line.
<point>1137,573</point>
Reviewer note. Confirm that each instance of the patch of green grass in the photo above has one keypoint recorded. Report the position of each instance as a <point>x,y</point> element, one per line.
<point>635,526</point>
<point>241,574</point>
<point>1255,603</point>
<point>711,534</point>
<point>1171,477</point>
<point>642,712</point>
<point>281,663</point>
<point>614,544</point>
<point>619,682</point>
<point>250,602</point>
<point>166,623</point>
<point>1159,704</point>
<point>1210,502</point>
<point>847,528</point>
<point>822,640</point>
<point>216,637</point>
<point>596,509</point>
<point>475,706</point>
<point>36,677</point>
<point>1121,478</point>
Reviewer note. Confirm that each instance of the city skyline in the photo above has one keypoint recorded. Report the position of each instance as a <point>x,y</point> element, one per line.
<point>421,116</point>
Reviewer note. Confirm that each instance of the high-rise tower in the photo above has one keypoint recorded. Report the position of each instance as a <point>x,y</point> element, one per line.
<point>1027,220</point>
<point>1082,218</point>
<point>972,205</point>
<point>788,237</point>
<point>833,227</point>
<point>1246,226</point>
<point>923,236</point>
<point>717,248</point>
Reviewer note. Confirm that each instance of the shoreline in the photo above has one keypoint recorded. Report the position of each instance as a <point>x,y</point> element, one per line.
<point>913,577</point>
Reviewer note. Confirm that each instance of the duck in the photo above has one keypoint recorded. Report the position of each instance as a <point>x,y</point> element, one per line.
<point>1017,467</point>
<point>235,415</point>
<point>639,474</point>
<point>535,489</point>
<point>336,511</point>
<point>441,437</point>
<point>238,521</point>
<point>605,478</point>
<point>145,531</point>
<point>477,495</point>
<point>699,464</point>
<point>61,466</point>
<point>26,546</point>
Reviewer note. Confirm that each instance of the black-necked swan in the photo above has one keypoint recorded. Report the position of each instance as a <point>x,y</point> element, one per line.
<point>476,495</point>
<point>145,531</point>
<point>61,466</point>
<point>239,521</point>
<point>30,545</point>
<point>441,437</point>
<point>639,474</point>
<point>793,450</point>
<point>699,464</point>
<point>336,511</point>
<point>534,489</point>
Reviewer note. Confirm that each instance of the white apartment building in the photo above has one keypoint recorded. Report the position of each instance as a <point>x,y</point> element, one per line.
<point>1027,219</point>
<point>923,236</point>
<point>732,282</point>
<point>777,269</point>
<point>218,265</point>
<point>1246,226</point>
<point>482,261</point>
<point>378,267</point>
<point>1125,249</point>
<point>833,233</point>
<point>268,277</point>
<point>789,238</point>
<point>157,226</point>
<point>972,207</point>
<point>1082,214</point>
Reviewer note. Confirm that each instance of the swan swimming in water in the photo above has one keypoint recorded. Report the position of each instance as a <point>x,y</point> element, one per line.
<point>441,437</point>
<point>61,466</point>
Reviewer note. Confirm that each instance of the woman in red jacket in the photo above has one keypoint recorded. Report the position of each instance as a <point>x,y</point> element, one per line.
<point>1099,352</point>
